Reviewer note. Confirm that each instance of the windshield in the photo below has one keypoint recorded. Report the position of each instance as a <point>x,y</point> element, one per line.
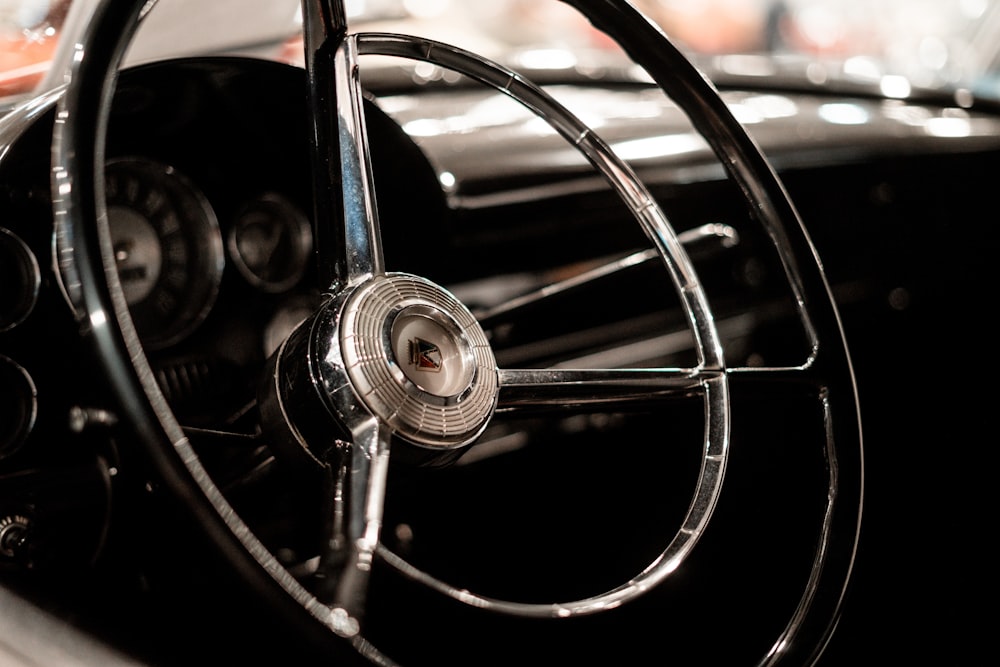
<point>897,44</point>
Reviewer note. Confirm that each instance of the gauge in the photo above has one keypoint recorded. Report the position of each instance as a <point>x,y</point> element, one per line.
<point>20,279</point>
<point>19,408</point>
<point>167,247</point>
<point>270,243</point>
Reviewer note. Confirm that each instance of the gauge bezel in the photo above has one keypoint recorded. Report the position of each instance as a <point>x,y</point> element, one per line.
<point>191,248</point>
<point>20,385</point>
<point>300,242</point>
<point>29,282</point>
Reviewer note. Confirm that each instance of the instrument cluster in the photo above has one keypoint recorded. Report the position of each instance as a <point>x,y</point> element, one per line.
<point>211,293</point>
<point>172,251</point>
<point>208,190</point>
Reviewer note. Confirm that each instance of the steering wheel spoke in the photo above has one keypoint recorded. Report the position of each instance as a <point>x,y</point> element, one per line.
<point>357,476</point>
<point>597,389</point>
<point>345,212</point>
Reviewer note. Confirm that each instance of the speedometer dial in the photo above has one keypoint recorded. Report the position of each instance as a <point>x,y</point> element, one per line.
<point>167,246</point>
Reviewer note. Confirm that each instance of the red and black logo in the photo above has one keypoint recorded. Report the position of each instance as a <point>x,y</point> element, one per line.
<point>424,355</point>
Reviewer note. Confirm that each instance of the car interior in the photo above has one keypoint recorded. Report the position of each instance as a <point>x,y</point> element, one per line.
<point>392,351</point>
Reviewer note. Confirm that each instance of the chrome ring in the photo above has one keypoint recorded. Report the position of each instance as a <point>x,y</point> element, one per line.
<point>419,360</point>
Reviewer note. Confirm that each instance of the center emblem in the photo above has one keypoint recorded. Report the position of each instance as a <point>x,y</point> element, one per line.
<point>425,355</point>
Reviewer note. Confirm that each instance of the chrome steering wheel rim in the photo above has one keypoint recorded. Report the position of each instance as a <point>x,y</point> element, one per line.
<point>87,263</point>
<point>708,378</point>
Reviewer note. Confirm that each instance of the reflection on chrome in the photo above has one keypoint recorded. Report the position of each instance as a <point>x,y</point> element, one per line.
<point>746,65</point>
<point>954,122</point>
<point>949,127</point>
<point>549,59</point>
<point>895,86</point>
<point>843,114</point>
<point>758,108</point>
<point>668,144</point>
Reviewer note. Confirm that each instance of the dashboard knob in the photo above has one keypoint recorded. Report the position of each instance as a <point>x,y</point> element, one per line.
<point>14,530</point>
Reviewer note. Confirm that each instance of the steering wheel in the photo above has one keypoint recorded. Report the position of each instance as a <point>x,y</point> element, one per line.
<point>392,362</point>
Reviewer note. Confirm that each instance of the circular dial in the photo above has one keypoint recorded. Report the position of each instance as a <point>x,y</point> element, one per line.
<point>167,247</point>
<point>19,406</point>
<point>20,278</point>
<point>270,242</point>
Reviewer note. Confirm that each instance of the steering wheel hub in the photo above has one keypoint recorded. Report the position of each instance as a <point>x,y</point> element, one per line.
<point>419,360</point>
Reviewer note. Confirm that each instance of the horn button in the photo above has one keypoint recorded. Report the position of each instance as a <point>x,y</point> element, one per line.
<point>419,360</point>
<point>432,352</point>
